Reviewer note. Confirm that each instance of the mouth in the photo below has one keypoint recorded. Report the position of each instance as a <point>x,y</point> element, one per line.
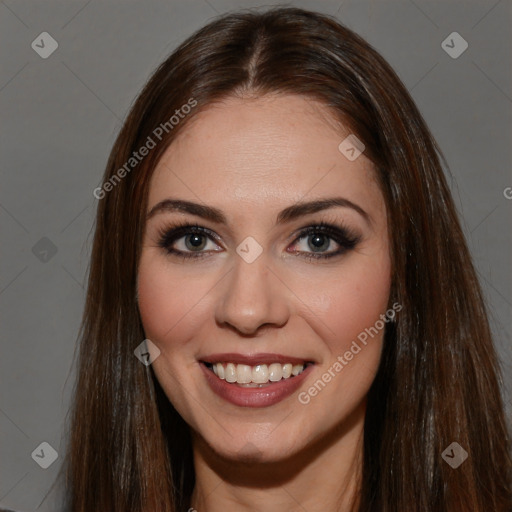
<point>254,381</point>
<point>256,376</point>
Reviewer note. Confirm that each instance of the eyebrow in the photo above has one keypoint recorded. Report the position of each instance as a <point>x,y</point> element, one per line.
<point>288,214</point>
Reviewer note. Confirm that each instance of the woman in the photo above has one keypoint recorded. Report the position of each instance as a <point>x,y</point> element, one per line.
<point>277,245</point>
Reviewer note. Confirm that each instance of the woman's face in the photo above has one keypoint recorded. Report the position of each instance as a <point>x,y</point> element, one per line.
<point>256,297</point>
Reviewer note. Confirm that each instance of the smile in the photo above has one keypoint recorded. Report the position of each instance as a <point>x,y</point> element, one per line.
<point>254,381</point>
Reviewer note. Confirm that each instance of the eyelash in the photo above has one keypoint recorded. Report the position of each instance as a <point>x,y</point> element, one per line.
<point>342,235</point>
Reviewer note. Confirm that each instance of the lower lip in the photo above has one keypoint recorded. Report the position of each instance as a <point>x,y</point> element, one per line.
<point>254,397</point>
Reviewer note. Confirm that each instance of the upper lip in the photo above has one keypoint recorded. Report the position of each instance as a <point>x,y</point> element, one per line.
<point>251,360</point>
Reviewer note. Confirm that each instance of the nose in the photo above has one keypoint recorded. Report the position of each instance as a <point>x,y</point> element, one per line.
<point>253,296</point>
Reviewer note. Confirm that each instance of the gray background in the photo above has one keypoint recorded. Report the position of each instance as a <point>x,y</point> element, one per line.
<point>60,116</point>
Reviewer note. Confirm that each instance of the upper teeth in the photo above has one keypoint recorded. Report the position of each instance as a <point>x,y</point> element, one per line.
<point>258,374</point>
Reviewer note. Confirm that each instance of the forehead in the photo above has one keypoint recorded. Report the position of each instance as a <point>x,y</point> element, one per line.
<point>268,151</point>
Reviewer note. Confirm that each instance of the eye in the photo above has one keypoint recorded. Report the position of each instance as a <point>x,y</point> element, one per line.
<point>191,241</point>
<point>186,240</point>
<point>319,238</point>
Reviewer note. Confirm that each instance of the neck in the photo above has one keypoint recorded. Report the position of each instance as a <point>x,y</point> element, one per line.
<point>324,475</point>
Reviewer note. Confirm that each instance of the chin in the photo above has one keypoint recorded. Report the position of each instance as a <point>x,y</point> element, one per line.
<point>258,454</point>
<point>254,447</point>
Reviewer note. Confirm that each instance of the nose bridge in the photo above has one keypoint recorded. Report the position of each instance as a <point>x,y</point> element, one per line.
<point>252,295</point>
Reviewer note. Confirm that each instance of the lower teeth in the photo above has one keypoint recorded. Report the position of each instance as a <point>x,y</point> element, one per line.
<point>251,384</point>
<point>255,385</point>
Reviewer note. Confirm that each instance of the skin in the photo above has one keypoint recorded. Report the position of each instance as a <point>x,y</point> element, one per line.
<point>251,158</point>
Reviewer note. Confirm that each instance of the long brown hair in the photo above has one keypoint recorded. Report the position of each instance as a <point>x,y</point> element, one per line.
<point>439,378</point>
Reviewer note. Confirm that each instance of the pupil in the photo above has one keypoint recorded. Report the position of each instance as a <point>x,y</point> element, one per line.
<point>317,242</point>
<point>195,241</point>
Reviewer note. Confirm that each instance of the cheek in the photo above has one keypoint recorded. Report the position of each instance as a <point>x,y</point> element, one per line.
<point>351,308</point>
<point>167,302</point>
<point>352,300</point>
<point>156,300</point>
